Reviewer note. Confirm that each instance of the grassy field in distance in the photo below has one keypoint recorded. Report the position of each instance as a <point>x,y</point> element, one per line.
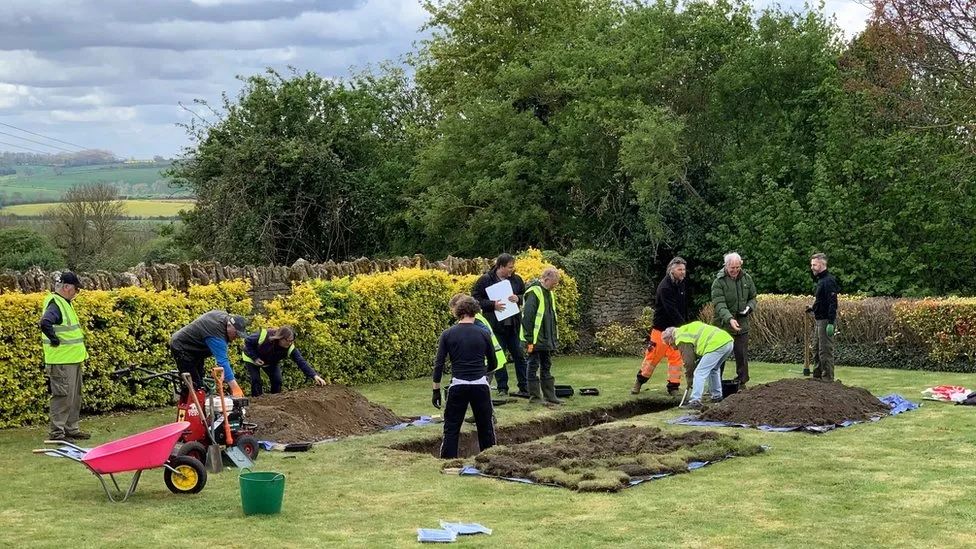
<point>133,208</point>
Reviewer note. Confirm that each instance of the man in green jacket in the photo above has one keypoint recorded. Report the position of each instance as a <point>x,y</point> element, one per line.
<point>540,336</point>
<point>734,299</point>
<point>64,356</point>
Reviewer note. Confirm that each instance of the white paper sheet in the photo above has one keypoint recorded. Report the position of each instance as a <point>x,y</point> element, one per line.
<point>501,292</point>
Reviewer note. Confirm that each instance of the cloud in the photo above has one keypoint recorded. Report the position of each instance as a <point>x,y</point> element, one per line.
<point>112,73</point>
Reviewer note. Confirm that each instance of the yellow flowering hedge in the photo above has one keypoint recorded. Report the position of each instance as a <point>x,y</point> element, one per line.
<point>385,326</point>
<point>368,328</point>
<point>122,327</point>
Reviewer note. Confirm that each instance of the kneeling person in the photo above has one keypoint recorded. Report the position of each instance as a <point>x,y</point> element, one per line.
<point>472,356</point>
<point>265,349</point>
<point>713,345</point>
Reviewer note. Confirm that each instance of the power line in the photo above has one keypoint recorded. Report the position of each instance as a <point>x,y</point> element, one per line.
<point>38,142</point>
<point>22,147</point>
<point>44,136</point>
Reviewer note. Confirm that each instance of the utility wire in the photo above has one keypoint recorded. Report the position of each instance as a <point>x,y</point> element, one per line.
<point>44,136</point>
<point>38,142</point>
<point>22,147</point>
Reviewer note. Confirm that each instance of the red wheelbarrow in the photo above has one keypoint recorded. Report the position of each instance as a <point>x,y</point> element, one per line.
<point>139,452</point>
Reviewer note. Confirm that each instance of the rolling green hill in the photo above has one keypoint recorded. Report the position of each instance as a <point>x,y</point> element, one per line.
<point>47,183</point>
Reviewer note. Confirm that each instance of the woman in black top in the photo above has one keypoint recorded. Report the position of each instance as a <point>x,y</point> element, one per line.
<point>472,357</point>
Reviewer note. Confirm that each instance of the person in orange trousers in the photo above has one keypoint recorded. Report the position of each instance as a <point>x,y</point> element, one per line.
<point>670,310</point>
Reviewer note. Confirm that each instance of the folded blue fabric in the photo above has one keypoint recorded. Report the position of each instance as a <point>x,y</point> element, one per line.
<point>898,403</point>
<point>465,529</point>
<point>436,535</point>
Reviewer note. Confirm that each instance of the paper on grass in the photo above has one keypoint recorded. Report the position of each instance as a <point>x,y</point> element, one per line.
<point>501,292</point>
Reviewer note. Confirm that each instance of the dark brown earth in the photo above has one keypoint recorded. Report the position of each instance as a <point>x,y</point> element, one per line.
<point>544,426</point>
<point>795,403</point>
<point>317,413</point>
<point>607,459</point>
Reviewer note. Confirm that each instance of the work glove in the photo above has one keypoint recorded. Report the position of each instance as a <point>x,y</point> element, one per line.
<point>435,399</point>
<point>55,342</point>
<point>530,348</point>
<point>830,330</point>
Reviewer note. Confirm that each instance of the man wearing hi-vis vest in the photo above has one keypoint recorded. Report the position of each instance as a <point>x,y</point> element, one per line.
<point>713,345</point>
<point>540,336</point>
<point>64,355</point>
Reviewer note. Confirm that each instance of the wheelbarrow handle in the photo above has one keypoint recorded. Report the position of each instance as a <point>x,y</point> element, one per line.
<point>65,443</point>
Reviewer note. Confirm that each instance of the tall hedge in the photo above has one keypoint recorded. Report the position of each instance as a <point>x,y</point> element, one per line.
<point>122,327</point>
<point>385,326</point>
<point>372,327</point>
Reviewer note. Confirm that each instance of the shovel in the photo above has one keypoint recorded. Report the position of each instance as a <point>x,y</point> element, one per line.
<point>235,454</point>
<point>214,463</point>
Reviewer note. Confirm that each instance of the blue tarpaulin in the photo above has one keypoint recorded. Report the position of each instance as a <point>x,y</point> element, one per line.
<point>897,403</point>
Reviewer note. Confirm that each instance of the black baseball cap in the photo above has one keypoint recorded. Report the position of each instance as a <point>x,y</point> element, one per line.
<point>68,277</point>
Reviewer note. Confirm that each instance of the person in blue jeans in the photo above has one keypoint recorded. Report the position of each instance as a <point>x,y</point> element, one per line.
<point>265,349</point>
<point>713,345</point>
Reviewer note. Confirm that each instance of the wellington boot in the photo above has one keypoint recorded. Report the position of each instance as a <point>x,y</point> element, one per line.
<point>535,392</point>
<point>549,391</point>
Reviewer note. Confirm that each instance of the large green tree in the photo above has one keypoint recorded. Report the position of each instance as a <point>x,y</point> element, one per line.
<point>301,166</point>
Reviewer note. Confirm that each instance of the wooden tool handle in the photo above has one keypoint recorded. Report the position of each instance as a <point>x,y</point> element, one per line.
<point>218,374</point>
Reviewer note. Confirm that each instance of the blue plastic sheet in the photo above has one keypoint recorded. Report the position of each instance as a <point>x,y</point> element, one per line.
<point>436,535</point>
<point>419,422</point>
<point>465,528</point>
<point>897,403</point>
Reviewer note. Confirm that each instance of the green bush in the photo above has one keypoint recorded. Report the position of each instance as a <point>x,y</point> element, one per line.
<point>619,340</point>
<point>22,248</point>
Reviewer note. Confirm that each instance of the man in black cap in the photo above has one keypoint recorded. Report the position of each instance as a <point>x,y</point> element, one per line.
<point>64,356</point>
<point>208,336</point>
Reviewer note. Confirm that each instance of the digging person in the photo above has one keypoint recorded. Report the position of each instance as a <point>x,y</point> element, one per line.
<point>541,336</point>
<point>472,356</point>
<point>734,299</point>
<point>670,310</point>
<point>264,350</point>
<point>713,345</point>
<point>208,336</point>
<point>64,356</point>
<point>824,311</point>
<point>506,331</point>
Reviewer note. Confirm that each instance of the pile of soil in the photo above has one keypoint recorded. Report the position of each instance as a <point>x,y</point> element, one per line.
<point>317,413</point>
<point>797,403</point>
<point>607,459</point>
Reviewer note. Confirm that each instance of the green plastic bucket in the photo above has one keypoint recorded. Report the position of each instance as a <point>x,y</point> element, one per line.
<point>261,492</point>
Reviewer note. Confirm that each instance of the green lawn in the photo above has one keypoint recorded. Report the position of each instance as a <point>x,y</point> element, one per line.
<point>904,481</point>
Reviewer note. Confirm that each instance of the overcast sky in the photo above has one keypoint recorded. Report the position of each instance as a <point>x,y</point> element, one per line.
<point>110,74</point>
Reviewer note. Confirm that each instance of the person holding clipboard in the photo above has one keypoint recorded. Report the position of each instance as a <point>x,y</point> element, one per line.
<point>507,329</point>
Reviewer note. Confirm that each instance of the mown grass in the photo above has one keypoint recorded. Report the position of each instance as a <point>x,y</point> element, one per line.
<point>904,481</point>
<point>132,208</point>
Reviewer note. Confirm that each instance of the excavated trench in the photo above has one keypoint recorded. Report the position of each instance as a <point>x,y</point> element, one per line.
<point>543,427</point>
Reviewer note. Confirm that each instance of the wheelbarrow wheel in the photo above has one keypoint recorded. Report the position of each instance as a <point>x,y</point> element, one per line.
<point>189,477</point>
<point>193,449</point>
<point>248,445</point>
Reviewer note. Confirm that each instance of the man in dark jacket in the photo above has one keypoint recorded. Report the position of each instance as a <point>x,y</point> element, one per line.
<point>265,349</point>
<point>670,311</point>
<point>824,311</point>
<point>734,299</point>
<point>541,336</point>
<point>208,336</point>
<point>507,331</point>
